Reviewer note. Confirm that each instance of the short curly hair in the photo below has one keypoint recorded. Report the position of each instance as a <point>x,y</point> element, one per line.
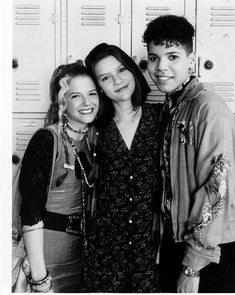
<point>170,30</point>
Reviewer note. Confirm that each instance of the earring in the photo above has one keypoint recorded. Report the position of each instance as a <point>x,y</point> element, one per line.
<point>191,70</point>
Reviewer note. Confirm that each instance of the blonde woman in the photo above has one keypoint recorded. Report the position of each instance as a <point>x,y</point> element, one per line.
<point>54,220</point>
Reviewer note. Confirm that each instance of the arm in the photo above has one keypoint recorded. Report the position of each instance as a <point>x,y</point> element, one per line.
<point>214,174</point>
<point>34,182</point>
<point>33,240</point>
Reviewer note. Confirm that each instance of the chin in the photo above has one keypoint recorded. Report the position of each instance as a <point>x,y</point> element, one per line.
<point>89,120</point>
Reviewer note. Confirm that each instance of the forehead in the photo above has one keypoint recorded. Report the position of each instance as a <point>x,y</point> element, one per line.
<point>80,83</point>
<point>106,65</point>
<point>165,48</point>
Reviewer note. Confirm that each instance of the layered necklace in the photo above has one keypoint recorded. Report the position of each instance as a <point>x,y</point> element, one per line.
<point>78,131</point>
<point>71,141</point>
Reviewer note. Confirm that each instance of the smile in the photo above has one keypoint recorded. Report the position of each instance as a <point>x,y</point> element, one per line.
<point>163,78</point>
<point>86,112</point>
<point>122,89</point>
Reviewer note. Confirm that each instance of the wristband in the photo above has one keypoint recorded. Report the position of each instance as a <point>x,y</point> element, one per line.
<point>42,286</point>
<point>189,272</point>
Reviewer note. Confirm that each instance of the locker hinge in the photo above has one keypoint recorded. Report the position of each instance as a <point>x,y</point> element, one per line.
<point>54,18</point>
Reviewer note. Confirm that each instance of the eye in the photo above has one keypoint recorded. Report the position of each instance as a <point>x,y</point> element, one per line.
<point>173,57</point>
<point>75,96</point>
<point>94,93</point>
<point>152,58</point>
<point>122,69</point>
<point>104,78</point>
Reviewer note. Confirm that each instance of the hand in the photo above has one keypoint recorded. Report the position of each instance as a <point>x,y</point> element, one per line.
<point>187,284</point>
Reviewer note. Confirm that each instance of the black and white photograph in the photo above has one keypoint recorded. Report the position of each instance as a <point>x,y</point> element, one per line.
<point>118,117</point>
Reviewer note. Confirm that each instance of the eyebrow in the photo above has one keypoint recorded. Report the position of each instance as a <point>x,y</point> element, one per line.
<point>77,92</point>
<point>168,53</point>
<point>105,74</point>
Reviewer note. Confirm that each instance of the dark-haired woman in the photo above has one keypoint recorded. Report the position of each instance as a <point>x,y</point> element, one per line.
<point>53,219</point>
<point>121,253</point>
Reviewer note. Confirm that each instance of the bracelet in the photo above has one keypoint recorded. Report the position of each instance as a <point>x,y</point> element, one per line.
<point>43,285</point>
<point>32,229</point>
<point>189,272</point>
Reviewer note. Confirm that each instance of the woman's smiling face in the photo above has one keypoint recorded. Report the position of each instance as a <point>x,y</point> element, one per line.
<point>115,80</point>
<point>82,101</point>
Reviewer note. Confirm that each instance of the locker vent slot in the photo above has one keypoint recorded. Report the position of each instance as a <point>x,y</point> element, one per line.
<point>28,91</point>
<point>27,15</point>
<point>155,95</point>
<point>225,90</point>
<point>154,11</point>
<point>23,137</point>
<point>222,16</point>
<point>93,15</point>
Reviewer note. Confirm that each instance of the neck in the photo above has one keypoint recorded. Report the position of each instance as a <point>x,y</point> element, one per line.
<point>124,112</point>
<point>75,132</point>
<point>181,86</point>
<point>80,129</point>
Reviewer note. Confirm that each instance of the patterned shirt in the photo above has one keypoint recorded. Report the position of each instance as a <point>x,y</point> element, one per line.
<point>120,258</point>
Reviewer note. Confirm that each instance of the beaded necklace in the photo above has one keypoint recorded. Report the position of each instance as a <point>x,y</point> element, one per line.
<point>71,128</point>
<point>77,156</point>
<point>79,131</point>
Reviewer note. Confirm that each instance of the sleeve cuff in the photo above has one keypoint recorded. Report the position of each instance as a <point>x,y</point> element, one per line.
<point>198,258</point>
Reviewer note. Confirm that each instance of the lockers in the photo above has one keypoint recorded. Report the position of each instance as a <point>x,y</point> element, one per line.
<point>48,33</point>
<point>215,46</point>
<point>34,52</point>
<point>24,125</point>
<point>90,22</point>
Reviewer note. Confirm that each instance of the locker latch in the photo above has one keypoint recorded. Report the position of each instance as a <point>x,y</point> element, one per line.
<point>208,64</point>
<point>15,63</point>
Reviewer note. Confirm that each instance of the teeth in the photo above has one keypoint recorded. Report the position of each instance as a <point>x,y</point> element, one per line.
<point>89,111</point>
<point>164,78</point>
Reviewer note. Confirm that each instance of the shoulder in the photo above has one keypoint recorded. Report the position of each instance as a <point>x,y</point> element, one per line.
<point>42,135</point>
<point>211,102</point>
<point>203,100</point>
<point>41,142</point>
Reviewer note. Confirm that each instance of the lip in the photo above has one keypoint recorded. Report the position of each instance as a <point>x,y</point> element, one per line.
<point>163,78</point>
<point>86,111</point>
<point>121,89</point>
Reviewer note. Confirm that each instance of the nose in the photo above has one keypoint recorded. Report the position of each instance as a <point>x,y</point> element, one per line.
<point>85,100</point>
<point>117,79</point>
<point>162,64</point>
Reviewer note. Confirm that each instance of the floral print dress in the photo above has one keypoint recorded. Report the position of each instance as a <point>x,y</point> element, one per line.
<point>120,250</point>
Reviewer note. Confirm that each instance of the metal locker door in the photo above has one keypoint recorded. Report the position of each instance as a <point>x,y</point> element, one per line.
<point>34,54</point>
<point>24,126</point>
<point>90,22</point>
<point>142,13</point>
<point>215,46</point>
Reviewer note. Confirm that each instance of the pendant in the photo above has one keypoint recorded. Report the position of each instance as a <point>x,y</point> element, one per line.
<point>67,166</point>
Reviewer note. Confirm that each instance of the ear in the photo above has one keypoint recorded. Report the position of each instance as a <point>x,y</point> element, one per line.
<point>192,59</point>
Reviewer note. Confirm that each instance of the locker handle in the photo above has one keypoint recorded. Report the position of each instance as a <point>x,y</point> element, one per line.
<point>15,63</point>
<point>199,67</point>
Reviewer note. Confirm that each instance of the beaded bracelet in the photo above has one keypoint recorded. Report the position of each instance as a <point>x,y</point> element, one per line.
<point>43,285</point>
